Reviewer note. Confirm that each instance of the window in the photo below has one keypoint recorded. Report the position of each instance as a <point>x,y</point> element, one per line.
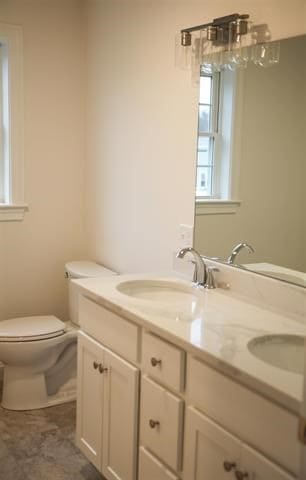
<point>12,205</point>
<point>217,152</point>
<point>207,134</point>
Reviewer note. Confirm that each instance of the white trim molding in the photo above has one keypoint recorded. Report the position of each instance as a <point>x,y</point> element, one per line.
<point>13,206</point>
<point>216,207</point>
<point>12,213</point>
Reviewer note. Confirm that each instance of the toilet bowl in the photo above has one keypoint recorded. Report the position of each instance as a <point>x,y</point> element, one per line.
<point>39,352</point>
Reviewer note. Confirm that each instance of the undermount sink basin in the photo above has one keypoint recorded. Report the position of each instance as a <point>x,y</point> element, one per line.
<point>158,290</point>
<point>174,300</point>
<point>281,351</point>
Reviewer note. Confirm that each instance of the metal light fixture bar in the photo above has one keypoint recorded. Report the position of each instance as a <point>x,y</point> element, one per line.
<point>217,29</point>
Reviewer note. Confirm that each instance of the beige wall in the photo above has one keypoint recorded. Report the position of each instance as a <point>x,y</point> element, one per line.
<point>141,123</point>
<point>272,181</point>
<point>33,252</point>
<point>304,173</point>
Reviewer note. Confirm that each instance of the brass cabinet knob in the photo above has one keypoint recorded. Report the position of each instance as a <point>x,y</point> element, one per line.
<point>228,466</point>
<point>153,423</point>
<point>241,475</point>
<point>102,369</point>
<point>155,362</point>
<point>95,365</point>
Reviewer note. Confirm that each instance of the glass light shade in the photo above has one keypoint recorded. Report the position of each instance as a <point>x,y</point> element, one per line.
<point>183,54</point>
<point>211,55</point>
<point>195,58</point>
<point>195,75</point>
<point>238,44</point>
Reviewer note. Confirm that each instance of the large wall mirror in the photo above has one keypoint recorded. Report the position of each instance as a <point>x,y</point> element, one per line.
<point>271,175</point>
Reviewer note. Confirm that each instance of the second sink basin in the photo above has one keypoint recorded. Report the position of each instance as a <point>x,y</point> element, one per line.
<point>281,351</point>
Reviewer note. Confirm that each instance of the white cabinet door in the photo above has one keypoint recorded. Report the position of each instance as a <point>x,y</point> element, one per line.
<point>260,468</point>
<point>120,417</point>
<point>152,469</point>
<point>302,472</point>
<point>210,453</point>
<point>89,399</point>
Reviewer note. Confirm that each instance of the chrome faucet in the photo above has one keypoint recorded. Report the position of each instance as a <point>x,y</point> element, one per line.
<point>200,271</point>
<point>237,249</point>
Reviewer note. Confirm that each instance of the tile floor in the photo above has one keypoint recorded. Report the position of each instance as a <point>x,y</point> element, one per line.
<point>39,445</point>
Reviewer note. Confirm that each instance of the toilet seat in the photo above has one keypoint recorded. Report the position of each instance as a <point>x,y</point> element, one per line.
<point>29,329</point>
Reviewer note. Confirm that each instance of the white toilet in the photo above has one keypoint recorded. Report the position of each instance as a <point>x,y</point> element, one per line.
<point>39,353</point>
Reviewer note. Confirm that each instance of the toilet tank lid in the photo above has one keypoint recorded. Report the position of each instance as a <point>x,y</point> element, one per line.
<point>84,269</point>
<point>41,326</point>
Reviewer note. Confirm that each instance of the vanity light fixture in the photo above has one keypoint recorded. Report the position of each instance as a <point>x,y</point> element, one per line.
<point>224,43</point>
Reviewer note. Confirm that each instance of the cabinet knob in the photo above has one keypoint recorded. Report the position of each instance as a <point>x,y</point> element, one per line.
<point>102,369</point>
<point>155,362</point>
<point>95,365</point>
<point>228,466</point>
<point>241,475</point>
<point>153,423</point>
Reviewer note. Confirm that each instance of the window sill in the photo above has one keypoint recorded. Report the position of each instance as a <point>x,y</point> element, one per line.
<point>12,213</point>
<point>216,207</point>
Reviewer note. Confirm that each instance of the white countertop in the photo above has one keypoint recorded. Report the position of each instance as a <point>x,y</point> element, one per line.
<point>219,333</point>
<point>281,273</point>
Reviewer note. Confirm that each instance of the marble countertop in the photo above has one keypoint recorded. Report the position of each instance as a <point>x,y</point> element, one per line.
<point>216,328</point>
<point>281,273</point>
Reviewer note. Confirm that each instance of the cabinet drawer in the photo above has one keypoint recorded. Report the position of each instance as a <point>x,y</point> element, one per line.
<point>152,469</point>
<point>108,328</point>
<point>163,361</point>
<point>161,422</point>
<point>255,420</point>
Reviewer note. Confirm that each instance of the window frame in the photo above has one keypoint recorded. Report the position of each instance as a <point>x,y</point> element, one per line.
<point>12,205</point>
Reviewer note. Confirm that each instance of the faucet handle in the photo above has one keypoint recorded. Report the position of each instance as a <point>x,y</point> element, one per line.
<point>195,271</point>
<point>211,281</point>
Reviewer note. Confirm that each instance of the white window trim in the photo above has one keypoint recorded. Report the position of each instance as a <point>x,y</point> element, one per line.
<point>215,206</point>
<point>15,206</point>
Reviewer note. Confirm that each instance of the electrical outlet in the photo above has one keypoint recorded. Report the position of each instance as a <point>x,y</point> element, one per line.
<point>185,236</point>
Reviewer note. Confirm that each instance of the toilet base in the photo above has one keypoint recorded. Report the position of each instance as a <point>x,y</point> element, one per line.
<point>24,390</point>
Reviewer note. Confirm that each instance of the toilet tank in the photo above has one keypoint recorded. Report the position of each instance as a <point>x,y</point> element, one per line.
<point>81,269</point>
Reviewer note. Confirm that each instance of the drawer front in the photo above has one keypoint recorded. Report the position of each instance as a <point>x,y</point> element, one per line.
<point>152,469</point>
<point>163,361</point>
<point>108,328</point>
<point>257,421</point>
<point>259,467</point>
<point>161,423</point>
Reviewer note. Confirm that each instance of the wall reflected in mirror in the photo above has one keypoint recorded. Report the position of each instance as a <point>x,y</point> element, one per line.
<point>270,177</point>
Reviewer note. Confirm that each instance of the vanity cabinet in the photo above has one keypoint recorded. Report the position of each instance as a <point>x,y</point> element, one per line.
<point>213,453</point>
<point>254,419</point>
<point>107,410</point>
<point>195,423</point>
